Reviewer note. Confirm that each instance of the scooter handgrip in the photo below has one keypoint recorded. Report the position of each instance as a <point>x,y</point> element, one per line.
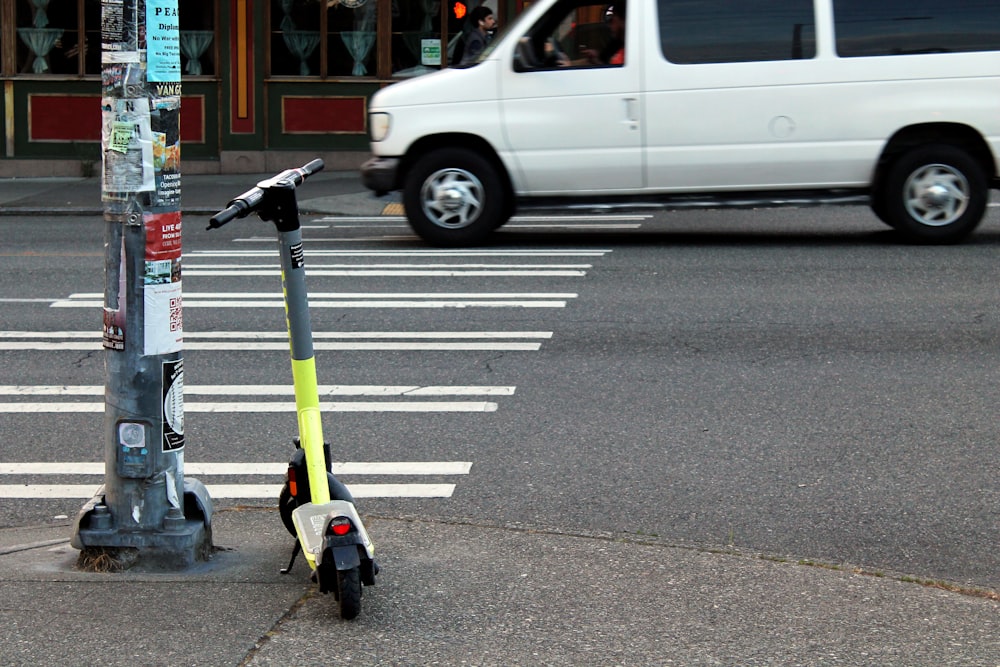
<point>312,167</point>
<point>222,217</point>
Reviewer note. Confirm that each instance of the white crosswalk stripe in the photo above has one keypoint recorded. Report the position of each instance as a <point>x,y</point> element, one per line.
<point>395,270</point>
<point>414,398</point>
<point>351,300</point>
<point>267,491</point>
<point>257,341</point>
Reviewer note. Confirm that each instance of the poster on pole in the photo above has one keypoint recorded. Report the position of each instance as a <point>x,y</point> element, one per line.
<point>163,307</point>
<point>119,32</point>
<point>128,147</point>
<point>163,41</point>
<point>173,405</point>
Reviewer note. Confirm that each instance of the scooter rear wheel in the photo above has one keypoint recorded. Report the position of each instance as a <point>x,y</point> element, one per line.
<point>349,592</point>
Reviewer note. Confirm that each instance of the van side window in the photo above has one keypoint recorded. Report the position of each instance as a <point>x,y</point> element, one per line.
<point>903,27</point>
<point>732,31</point>
<point>575,34</point>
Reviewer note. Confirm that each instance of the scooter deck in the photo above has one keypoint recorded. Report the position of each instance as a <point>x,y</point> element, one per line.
<point>311,520</point>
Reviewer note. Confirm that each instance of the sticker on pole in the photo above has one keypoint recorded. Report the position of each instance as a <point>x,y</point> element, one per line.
<point>173,405</point>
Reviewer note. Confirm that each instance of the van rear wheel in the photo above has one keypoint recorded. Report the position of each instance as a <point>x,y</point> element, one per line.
<point>454,197</point>
<point>935,194</point>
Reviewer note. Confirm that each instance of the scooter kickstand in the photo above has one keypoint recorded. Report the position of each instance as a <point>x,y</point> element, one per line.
<point>295,552</point>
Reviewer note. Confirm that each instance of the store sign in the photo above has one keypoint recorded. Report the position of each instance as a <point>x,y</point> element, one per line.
<point>430,52</point>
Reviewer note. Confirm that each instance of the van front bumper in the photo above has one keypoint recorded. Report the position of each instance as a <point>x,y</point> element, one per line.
<point>380,174</point>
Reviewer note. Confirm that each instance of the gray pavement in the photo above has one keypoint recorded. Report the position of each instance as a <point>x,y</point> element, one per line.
<point>460,593</point>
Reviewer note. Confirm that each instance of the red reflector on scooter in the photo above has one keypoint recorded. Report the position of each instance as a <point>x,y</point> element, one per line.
<point>292,486</point>
<point>340,527</point>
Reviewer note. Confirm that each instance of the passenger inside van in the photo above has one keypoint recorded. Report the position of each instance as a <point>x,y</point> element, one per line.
<point>613,52</point>
<point>610,44</point>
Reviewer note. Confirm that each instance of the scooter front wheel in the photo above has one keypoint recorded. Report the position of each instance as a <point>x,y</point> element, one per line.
<point>349,592</point>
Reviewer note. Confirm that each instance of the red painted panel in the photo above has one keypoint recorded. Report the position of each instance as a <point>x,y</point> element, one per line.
<point>193,119</point>
<point>78,118</point>
<point>314,115</point>
<point>64,118</point>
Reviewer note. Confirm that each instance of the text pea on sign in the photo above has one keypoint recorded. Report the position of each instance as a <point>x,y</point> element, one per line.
<point>163,41</point>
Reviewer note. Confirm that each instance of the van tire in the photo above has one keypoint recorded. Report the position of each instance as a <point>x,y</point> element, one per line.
<point>454,197</point>
<point>935,194</point>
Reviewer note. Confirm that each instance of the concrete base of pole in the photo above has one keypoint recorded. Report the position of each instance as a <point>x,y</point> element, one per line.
<point>184,539</point>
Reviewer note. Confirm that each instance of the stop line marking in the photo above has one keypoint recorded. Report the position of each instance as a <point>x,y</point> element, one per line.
<point>243,491</point>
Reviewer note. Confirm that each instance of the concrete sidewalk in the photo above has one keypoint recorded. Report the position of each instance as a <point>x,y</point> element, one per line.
<point>464,594</point>
<point>327,192</point>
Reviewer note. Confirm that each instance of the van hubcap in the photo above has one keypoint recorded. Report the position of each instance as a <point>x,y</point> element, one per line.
<point>452,198</point>
<point>936,195</point>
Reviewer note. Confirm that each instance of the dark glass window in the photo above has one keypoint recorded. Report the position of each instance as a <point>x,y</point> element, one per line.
<point>731,31</point>
<point>340,38</point>
<point>63,37</point>
<point>898,27</point>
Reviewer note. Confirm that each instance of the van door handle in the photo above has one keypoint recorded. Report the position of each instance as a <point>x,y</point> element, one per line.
<point>631,109</point>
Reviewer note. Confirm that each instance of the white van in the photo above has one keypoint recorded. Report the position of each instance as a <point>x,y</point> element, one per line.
<point>704,102</point>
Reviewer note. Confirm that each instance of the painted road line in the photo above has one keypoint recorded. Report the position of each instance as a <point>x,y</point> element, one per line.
<point>272,390</point>
<point>249,468</point>
<point>270,347</point>
<point>251,341</point>
<point>199,272</point>
<point>596,217</point>
<point>284,334</point>
<point>231,491</point>
<point>407,253</point>
<point>572,225</point>
<point>351,300</point>
<point>499,267</point>
<point>363,295</point>
<point>264,406</point>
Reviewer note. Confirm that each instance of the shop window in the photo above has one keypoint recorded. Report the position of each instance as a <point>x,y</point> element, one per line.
<point>52,37</point>
<point>198,47</point>
<point>63,37</point>
<point>339,38</point>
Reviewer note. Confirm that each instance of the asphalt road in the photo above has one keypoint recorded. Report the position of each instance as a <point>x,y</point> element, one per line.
<point>794,382</point>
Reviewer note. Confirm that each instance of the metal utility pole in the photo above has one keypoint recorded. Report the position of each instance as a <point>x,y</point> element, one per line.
<point>146,508</point>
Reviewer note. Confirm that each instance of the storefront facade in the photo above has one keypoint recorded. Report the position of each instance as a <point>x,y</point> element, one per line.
<point>264,82</point>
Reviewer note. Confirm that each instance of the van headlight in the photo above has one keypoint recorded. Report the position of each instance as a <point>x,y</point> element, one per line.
<point>378,126</point>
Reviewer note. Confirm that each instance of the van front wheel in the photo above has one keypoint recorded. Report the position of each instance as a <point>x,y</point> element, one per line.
<point>453,197</point>
<point>935,194</point>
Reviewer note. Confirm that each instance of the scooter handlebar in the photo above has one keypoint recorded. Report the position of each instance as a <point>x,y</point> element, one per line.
<point>248,202</point>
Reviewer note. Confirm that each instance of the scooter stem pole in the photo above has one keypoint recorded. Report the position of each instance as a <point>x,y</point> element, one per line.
<point>300,339</point>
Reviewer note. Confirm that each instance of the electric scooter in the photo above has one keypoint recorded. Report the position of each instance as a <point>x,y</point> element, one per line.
<point>314,506</point>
